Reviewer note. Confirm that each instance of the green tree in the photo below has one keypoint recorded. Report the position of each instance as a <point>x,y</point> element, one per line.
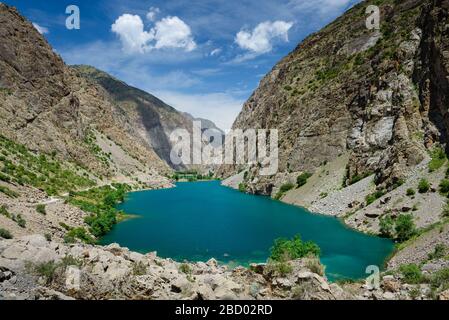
<point>302,179</point>
<point>285,249</point>
<point>405,227</point>
<point>386,225</point>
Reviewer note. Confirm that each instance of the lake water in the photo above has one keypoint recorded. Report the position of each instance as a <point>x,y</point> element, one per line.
<point>197,221</point>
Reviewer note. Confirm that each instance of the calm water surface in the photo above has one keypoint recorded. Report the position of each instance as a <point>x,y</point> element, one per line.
<point>200,220</point>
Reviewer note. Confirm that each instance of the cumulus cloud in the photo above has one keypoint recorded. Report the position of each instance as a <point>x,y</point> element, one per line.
<point>131,31</point>
<point>40,29</point>
<point>152,13</point>
<point>260,39</point>
<point>170,32</point>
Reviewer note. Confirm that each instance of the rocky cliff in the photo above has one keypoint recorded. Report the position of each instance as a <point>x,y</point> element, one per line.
<point>378,96</point>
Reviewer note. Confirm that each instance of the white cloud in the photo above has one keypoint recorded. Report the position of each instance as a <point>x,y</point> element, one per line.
<point>221,108</point>
<point>152,13</point>
<point>132,34</point>
<point>170,32</point>
<point>215,52</point>
<point>40,29</point>
<point>260,39</point>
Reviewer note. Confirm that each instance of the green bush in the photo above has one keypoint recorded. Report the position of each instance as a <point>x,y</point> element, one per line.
<point>405,227</point>
<point>139,268</point>
<point>302,179</point>
<point>374,196</point>
<point>242,187</point>
<point>185,268</point>
<point>40,208</point>
<point>444,186</point>
<point>439,252</point>
<point>423,186</point>
<point>410,192</point>
<point>46,270</point>
<point>5,234</point>
<point>438,159</point>
<point>69,260</point>
<point>386,225</point>
<point>78,233</point>
<point>5,212</point>
<point>285,250</point>
<point>20,220</point>
<point>440,279</point>
<point>281,269</point>
<point>412,273</point>
<point>286,187</point>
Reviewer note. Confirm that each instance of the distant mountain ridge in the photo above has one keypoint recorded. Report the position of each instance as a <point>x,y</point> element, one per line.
<point>153,120</point>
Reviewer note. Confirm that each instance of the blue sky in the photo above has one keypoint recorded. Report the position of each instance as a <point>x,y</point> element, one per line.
<point>202,57</point>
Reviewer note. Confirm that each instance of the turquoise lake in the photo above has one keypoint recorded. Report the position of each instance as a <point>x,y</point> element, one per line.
<point>197,221</point>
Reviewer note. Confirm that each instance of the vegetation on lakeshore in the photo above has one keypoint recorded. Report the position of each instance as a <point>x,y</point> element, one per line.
<point>292,249</point>
<point>401,229</point>
<point>100,203</point>
<point>283,190</point>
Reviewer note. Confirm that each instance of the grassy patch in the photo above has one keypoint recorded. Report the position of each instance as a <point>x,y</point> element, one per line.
<point>39,170</point>
<point>438,159</point>
<point>8,192</point>
<point>374,196</point>
<point>412,274</point>
<point>302,179</point>
<point>78,233</point>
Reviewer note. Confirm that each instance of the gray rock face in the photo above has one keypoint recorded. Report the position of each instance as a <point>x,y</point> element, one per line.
<point>93,272</point>
<point>365,93</point>
<point>112,272</point>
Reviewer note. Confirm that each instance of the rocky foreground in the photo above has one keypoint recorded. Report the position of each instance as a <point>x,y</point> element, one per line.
<point>34,268</point>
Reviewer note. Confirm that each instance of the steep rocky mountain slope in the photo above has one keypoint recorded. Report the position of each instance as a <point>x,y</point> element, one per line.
<point>48,108</point>
<point>378,95</point>
<point>362,118</point>
<point>153,120</point>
